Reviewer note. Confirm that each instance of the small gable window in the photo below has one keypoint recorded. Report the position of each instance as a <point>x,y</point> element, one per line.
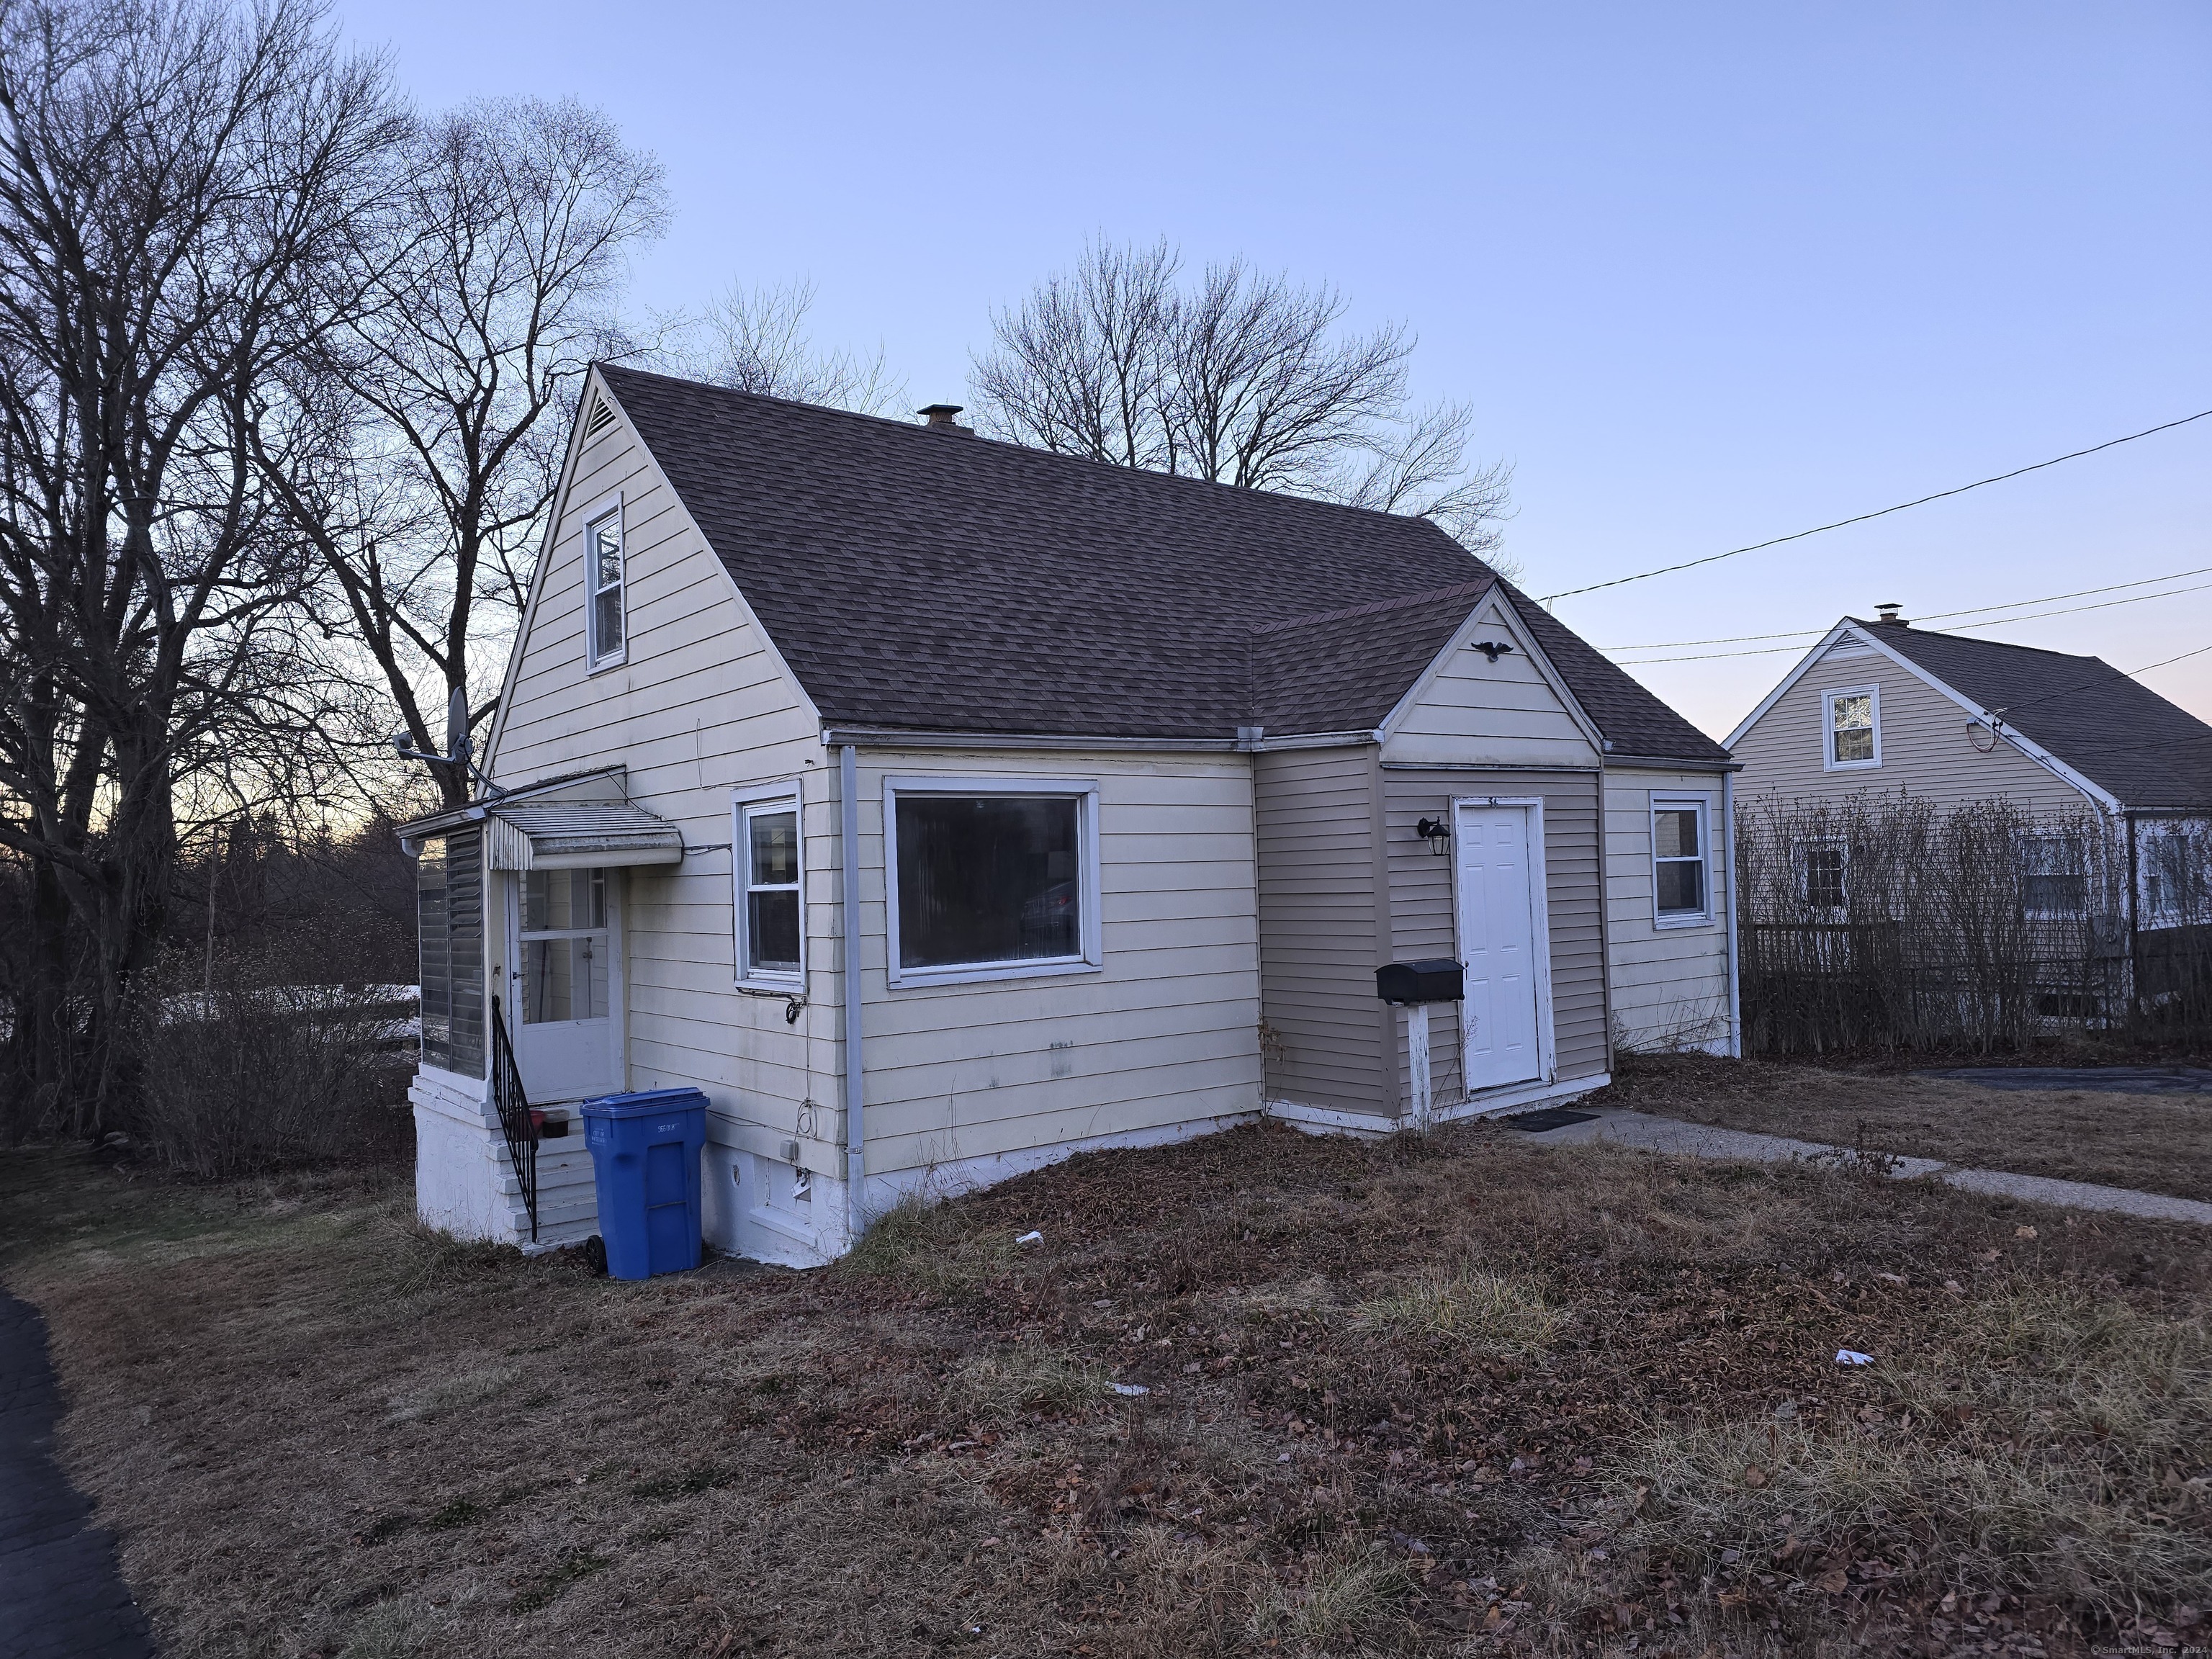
<point>1680,872</point>
<point>603,583</point>
<point>1852,728</point>
<point>991,882</point>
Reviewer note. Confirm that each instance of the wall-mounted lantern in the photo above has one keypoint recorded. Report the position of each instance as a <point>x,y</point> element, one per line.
<point>1437,833</point>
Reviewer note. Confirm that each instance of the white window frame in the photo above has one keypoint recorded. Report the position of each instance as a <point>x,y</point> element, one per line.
<point>783,793</point>
<point>607,508</point>
<point>2036,838</point>
<point>1676,803</point>
<point>1828,698</point>
<point>1091,957</point>
<point>1805,844</point>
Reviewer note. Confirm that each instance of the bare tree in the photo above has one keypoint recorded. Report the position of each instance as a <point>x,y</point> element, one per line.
<point>177,185</point>
<point>1241,377</point>
<point>756,340</point>
<point>420,452</point>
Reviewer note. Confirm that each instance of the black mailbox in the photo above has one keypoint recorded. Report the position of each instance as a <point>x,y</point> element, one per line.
<point>1437,980</point>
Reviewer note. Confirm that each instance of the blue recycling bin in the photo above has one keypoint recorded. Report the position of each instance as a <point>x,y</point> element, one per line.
<point>645,1163</point>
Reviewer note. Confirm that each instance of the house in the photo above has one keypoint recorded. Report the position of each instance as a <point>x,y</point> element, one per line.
<point>1885,707</point>
<point>942,807</point>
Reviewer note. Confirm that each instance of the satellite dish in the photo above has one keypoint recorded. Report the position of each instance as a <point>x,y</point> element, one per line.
<point>456,723</point>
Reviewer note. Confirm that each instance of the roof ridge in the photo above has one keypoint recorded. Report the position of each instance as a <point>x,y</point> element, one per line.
<point>1009,446</point>
<point>1968,638</point>
<point>1481,584</point>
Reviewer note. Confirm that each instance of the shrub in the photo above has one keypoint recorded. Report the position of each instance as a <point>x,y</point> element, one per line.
<point>246,1062</point>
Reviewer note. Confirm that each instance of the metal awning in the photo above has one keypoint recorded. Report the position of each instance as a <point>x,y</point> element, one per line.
<point>575,834</point>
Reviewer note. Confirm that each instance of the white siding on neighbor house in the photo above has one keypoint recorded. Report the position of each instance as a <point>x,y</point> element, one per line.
<point>700,707</point>
<point>1424,919</point>
<point>1670,985</point>
<point>1322,932</point>
<point>1470,711</point>
<point>1925,749</point>
<point>1166,1033</point>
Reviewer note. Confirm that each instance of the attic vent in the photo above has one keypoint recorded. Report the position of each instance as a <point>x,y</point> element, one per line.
<point>602,417</point>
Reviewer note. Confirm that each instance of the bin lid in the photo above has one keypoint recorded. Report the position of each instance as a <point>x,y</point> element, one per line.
<point>643,1103</point>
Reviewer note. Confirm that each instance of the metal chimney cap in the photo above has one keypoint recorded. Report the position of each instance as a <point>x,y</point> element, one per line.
<point>939,414</point>
<point>1886,612</point>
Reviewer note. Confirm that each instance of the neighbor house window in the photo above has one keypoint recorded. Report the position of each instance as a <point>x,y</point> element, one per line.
<point>603,581</point>
<point>767,864</point>
<point>2176,865</point>
<point>1853,727</point>
<point>1681,870</point>
<point>990,881</point>
<point>449,911</point>
<point>2054,882</point>
<point>1821,867</point>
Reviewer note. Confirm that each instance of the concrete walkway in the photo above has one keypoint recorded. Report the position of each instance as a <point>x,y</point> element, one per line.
<point>60,1596</point>
<point>1666,1134</point>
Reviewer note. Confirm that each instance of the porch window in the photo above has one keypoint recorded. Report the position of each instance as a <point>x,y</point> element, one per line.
<point>1853,722</point>
<point>1680,873</point>
<point>768,858</point>
<point>2054,882</point>
<point>564,945</point>
<point>449,912</point>
<point>991,884</point>
<point>603,583</point>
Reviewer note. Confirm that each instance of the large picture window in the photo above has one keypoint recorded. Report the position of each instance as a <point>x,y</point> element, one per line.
<point>1851,728</point>
<point>1680,863</point>
<point>767,859</point>
<point>991,882</point>
<point>449,913</point>
<point>603,584</point>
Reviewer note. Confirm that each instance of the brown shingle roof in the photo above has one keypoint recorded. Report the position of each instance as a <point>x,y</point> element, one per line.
<point>2118,733</point>
<point>937,580</point>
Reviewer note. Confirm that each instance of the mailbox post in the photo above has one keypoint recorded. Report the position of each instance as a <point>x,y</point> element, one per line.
<point>1413,986</point>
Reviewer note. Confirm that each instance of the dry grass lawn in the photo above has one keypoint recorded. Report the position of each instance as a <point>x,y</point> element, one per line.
<point>1458,1395</point>
<point>2155,1143</point>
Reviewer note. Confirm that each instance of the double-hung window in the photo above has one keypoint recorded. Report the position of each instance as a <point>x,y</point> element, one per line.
<point>2055,881</point>
<point>602,586</point>
<point>1823,867</point>
<point>1681,862</point>
<point>991,878</point>
<point>768,863</point>
<point>1851,728</point>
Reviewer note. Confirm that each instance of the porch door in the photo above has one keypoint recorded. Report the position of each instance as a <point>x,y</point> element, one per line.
<point>564,983</point>
<point>1497,870</point>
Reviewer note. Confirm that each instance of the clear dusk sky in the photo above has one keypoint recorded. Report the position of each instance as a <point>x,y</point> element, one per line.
<point>1710,273</point>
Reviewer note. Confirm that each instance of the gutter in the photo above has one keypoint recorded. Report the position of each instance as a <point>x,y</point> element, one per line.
<point>849,870</point>
<point>1736,995</point>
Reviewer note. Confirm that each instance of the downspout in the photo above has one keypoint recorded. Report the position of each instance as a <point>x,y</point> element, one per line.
<point>1736,995</point>
<point>848,867</point>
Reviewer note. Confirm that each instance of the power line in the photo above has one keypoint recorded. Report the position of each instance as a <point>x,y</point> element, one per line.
<point>1994,622</point>
<point>1940,616</point>
<point>1879,512</point>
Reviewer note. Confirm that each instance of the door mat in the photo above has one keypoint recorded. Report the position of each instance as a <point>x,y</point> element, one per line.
<point>1552,1117</point>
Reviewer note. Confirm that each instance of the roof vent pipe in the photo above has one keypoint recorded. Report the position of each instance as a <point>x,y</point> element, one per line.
<point>941,415</point>
<point>1886,614</point>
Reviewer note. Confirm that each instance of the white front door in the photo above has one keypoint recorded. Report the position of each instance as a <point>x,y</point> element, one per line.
<point>1499,864</point>
<point>564,985</point>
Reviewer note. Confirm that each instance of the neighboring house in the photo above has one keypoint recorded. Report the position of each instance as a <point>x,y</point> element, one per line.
<point>941,807</point>
<point>1886,706</point>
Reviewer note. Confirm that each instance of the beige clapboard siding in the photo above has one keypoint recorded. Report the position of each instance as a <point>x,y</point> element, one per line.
<point>1423,922</point>
<point>1165,1033</point>
<point>1670,985</point>
<point>700,705</point>
<point>1472,711</point>
<point>1925,750</point>
<point>1321,926</point>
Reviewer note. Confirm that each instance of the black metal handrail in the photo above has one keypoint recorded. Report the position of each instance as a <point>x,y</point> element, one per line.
<point>514,1120</point>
